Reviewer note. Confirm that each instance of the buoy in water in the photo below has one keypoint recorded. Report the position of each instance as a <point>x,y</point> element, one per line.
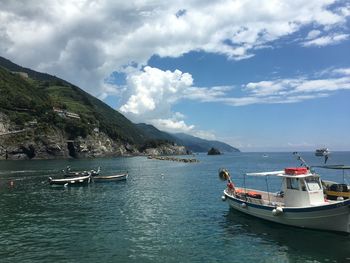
<point>223,198</point>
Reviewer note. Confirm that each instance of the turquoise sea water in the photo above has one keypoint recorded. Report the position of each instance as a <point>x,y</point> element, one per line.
<point>165,212</point>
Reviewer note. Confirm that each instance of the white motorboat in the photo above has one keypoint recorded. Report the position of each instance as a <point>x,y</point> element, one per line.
<point>301,202</point>
<point>322,152</point>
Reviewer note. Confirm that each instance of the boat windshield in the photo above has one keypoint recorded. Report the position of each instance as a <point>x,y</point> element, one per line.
<point>293,183</point>
<point>313,183</point>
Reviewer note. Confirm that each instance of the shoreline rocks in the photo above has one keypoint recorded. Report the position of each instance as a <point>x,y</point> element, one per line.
<point>53,144</point>
<point>45,142</point>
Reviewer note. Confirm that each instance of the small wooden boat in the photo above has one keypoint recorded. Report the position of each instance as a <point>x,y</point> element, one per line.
<point>110,178</point>
<point>79,180</point>
<point>301,202</point>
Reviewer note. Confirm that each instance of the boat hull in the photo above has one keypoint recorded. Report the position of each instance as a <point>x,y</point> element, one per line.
<point>110,178</point>
<point>332,217</point>
<point>81,180</point>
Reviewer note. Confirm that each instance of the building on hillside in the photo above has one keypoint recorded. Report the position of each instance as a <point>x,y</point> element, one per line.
<point>66,114</point>
<point>21,74</point>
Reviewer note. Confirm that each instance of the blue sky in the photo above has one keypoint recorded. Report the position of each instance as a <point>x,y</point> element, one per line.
<point>303,125</point>
<point>259,75</point>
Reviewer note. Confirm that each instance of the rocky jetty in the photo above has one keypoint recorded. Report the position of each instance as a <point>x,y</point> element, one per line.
<point>166,149</point>
<point>174,159</point>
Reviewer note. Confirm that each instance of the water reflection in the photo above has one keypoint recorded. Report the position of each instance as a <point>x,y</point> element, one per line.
<point>164,212</point>
<point>297,244</point>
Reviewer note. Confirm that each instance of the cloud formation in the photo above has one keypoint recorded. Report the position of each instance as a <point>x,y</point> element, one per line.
<point>85,41</point>
<point>152,93</point>
<point>292,90</point>
<point>325,40</point>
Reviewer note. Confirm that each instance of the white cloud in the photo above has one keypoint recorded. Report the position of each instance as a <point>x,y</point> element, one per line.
<point>326,40</point>
<point>206,94</point>
<point>208,135</point>
<point>341,71</point>
<point>313,34</point>
<point>292,90</point>
<point>150,94</point>
<point>172,125</point>
<point>154,91</point>
<point>85,41</point>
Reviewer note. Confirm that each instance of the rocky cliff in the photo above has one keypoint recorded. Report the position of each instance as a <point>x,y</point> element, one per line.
<point>36,142</point>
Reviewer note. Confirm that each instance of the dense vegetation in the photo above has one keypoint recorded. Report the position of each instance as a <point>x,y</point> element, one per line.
<point>22,100</point>
<point>25,99</point>
<point>154,134</point>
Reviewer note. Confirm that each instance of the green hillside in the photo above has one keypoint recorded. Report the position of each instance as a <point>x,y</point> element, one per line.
<point>23,99</point>
<point>155,134</point>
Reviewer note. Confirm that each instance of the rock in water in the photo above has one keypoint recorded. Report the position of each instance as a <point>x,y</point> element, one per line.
<point>214,151</point>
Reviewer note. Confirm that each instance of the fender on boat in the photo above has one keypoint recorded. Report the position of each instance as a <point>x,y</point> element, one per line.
<point>277,211</point>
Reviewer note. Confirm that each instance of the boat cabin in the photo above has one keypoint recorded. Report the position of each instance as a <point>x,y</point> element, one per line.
<point>301,188</point>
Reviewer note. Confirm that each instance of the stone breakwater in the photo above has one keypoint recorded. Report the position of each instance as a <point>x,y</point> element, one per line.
<point>174,159</point>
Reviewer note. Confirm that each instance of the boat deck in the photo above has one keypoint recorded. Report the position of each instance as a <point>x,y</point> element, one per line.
<point>257,197</point>
<point>264,198</point>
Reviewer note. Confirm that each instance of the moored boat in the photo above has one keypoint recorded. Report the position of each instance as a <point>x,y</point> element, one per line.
<point>335,190</point>
<point>110,178</point>
<point>322,152</point>
<point>68,173</point>
<point>78,180</point>
<point>301,202</point>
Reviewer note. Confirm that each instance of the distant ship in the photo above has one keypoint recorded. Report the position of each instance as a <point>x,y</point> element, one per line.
<point>322,152</point>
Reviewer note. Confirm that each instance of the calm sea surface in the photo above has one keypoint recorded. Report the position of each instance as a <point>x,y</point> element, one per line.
<point>165,212</point>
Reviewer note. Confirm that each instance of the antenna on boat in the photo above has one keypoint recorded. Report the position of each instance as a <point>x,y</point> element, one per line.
<point>325,158</point>
<point>299,158</point>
